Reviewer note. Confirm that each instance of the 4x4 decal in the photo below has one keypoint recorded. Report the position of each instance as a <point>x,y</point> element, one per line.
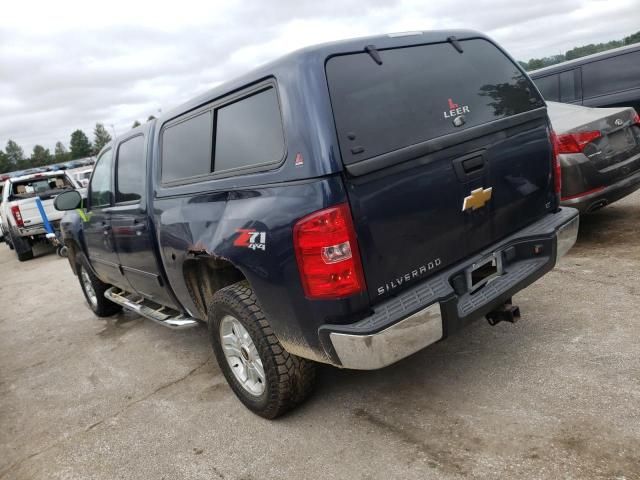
<point>250,238</point>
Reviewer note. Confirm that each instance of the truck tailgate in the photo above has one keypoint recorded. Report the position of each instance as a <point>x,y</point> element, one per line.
<point>31,215</point>
<point>445,154</point>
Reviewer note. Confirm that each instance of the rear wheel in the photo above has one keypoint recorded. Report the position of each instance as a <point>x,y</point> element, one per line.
<point>93,289</point>
<point>22,247</point>
<point>267,379</point>
<point>7,240</point>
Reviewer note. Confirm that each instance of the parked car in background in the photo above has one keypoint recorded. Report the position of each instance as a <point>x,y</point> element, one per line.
<point>21,218</point>
<point>82,176</point>
<point>390,218</point>
<point>599,152</point>
<point>80,162</point>
<point>606,79</point>
<point>3,178</point>
<point>73,164</point>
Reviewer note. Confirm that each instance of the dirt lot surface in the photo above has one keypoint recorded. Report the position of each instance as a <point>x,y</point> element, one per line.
<point>556,395</point>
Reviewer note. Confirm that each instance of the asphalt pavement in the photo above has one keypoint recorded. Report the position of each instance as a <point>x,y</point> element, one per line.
<point>556,395</point>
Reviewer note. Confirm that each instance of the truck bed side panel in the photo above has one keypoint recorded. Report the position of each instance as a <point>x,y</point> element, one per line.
<point>208,227</point>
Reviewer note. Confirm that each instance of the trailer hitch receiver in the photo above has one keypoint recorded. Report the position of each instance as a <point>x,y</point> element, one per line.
<point>505,313</point>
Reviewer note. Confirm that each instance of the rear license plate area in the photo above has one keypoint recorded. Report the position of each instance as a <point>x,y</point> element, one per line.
<point>483,271</point>
<point>622,140</point>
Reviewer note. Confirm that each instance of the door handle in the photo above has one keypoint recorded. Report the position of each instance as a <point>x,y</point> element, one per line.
<point>473,164</point>
<point>470,166</point>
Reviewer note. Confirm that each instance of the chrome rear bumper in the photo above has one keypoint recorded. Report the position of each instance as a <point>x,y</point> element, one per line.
<point>370,352</point>
<point>566,236</point>
<point>393,332</point>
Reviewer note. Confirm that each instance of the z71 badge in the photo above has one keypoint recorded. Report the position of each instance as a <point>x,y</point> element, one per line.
<point>250,238</point>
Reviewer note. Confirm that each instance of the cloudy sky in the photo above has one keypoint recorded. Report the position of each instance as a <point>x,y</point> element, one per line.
<point>69,64</point>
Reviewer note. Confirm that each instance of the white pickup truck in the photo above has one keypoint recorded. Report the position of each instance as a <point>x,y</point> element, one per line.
<point>21,219</point>
<point>3,237</point>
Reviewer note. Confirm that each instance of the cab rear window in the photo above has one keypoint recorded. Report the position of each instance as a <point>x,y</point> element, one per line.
<point>418,93</point>
<point>38,186</point>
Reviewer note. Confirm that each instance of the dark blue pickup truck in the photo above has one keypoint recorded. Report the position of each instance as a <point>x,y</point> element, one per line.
<point>347,204</point>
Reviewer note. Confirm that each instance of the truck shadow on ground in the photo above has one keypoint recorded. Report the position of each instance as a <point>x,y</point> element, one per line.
<point>464,354</point>
<point>39,250</point>
<point>120,324</point>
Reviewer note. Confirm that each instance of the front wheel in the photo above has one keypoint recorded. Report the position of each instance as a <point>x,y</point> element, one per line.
<point>93,289</point>
<point>267,379</point>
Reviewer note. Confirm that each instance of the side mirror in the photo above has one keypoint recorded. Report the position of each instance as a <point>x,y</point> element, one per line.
<point>68,201</point>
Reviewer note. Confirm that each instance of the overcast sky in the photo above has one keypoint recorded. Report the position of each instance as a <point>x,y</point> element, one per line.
<point>66,65</point>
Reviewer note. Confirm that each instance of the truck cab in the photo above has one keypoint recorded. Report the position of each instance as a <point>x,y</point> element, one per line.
<point>347,204</point>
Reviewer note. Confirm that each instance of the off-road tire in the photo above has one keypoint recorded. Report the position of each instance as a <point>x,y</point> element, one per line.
<point>22,247</point>
<point>289,379</point>
<point>8,240</point>
<point>103,307</point>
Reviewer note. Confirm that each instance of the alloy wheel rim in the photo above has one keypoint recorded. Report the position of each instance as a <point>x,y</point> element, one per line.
<point>88,288</point>
<point>242,355</point>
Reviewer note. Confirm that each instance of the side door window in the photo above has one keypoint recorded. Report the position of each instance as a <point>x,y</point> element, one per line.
<point>259,116</point>
<point>569,85</point>
<point>130,170</point>
<point>186,148</point>
<point>611,75</point>
<point>549,87</point>
<point>243,135</point>
<point>101,186</point>
<point>97,225</point>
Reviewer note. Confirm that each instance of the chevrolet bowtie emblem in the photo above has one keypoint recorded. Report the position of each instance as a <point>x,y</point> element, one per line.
<point>478,198</point>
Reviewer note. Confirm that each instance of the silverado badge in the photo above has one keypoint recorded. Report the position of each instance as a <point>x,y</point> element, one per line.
<point>478,198</point>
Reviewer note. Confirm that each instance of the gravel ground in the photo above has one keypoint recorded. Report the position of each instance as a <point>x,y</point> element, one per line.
<point>556,395</point>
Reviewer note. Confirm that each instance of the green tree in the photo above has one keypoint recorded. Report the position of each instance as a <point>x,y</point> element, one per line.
<point>14,153</point>
<point>80,145</point>
<point>60,153</point>
<point>150,117</point>
<point>136,124</point>
<point>635,38</point>
<point>40,156</point>
<point>592,48</point>
<point>100,138</point>
<point>5,164</point>
<point>581,51</point>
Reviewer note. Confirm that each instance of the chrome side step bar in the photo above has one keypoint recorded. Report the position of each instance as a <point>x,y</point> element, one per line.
<point>146,308</point>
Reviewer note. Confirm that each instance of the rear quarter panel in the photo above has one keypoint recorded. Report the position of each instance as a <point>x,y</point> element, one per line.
<point>208,224</point>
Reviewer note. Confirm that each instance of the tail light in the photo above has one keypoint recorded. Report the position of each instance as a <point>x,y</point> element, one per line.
<point>636,118</point>
<point>15,211</point>
<point>327,254</point>
<point>557,170</point>
<point>575,142</point>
